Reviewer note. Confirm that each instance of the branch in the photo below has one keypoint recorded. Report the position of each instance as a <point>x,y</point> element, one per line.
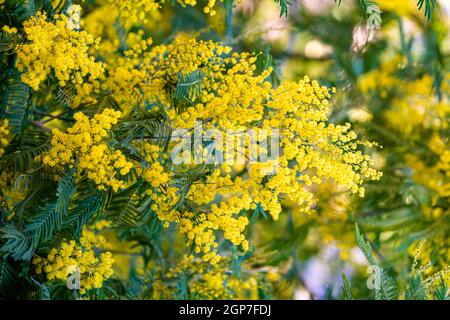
<point>41,125</point>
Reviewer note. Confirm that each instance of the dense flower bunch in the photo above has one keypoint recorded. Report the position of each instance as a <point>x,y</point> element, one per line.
<point>206,282</point>
<point>80,258</point>
<point>10,30</point>
<point>4,135</point>
<point>57,49</point>
<point>232,96</point>
<point>85,146</point>
<point>141,7</point>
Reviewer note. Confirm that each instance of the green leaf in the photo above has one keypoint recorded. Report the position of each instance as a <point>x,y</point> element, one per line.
<point>391,220</point>
<point>88,202</point>
<point>43,289</point>
<point>15,97</point>
<point>26,9</point>
<point>364,246</point>
<point>346,289</point>
<point>429,7</point>
<point>283,7</point>
<point>364,4</point>
<point>441,292</point>
<point>415,289</point>
<point>142,124</point>
<point>32,200</point>
<point>65,95</point>
<point>187,89</point>
<point>18,245</point>
<point>51,215</point>
<point>9,41</point>
<point>44,224</point>
<point>8,278</point>
<point>66,188</point>
<point>387,289</point>
<point>128,207</point>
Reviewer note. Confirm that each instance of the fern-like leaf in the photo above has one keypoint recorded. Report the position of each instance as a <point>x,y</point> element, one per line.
<point>88,203</point>
<point>364,246</point>
<point>144,124</point>
<point>66,188</point>
<point>429,7</point>
<point>18,245</point>
<point>51,215</point>
<point>44,224</point>
<point>32,200</point>
<point>9,41</point>
<point>7,276</point>
<point>65,95</point>
<point>23,152</point>
<point>387,289</point>
<point>346,289</point>
<point>26,9</point>
<point>15,102</point>
<point>283,7</point>
<point>187,89</point>
<point>127,208</point>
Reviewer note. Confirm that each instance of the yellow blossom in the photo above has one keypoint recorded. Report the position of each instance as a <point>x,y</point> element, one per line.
<point>4,135</point>
<point>85,145</point>
<point>56,47</point>
<point>71,257</point>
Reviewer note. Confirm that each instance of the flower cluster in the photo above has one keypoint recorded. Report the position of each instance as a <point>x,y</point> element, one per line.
<point>140,8</point>
<point>9,29</point>
<point>85,145</point>
<point>207,282</point>
<point>72,258</point>
<point>56,48</point>
<point>208,8</point>
<point>4,135</point>
<point>234,96</point>
<point>132,11</point>
<point>154,173</point>
<point>74,14</point>
<point>192,147</point>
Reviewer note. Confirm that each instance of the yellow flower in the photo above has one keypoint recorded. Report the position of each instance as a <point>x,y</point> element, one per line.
<point>4,135</point>
<point>234,97</point>
<point>58,48</point>
<point>208,282</point>
<point>85,145</point>
<point>8,29</point>
<point>71,257</point>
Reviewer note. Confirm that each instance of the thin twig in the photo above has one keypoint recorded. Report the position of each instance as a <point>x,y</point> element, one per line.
<point>41,125</point>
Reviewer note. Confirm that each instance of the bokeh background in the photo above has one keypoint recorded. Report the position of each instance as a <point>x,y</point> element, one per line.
<point>392,83</point>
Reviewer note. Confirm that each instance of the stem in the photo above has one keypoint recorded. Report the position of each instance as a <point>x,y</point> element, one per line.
<point>41,125</point>
<point>53,117</point>
<point>229,4</point>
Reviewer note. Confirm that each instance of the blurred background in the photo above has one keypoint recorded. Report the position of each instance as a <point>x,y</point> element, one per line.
<point>389,62</point>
